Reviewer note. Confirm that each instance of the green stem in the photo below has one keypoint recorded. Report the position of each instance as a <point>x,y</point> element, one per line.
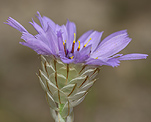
<point>60,118</point>
<point>57,115</point>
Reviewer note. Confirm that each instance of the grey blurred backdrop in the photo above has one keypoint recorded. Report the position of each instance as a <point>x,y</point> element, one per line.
<point>121,94</point>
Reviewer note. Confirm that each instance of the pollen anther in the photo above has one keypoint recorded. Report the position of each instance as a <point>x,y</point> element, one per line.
<point>74,37</point>
<point>78,46</point>
<point>64,44</point>
<point>73,43</point>
<point>87,42</point>
<point>71,57</point>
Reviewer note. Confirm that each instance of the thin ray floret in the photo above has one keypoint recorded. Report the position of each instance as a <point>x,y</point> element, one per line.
<point>60,41</point>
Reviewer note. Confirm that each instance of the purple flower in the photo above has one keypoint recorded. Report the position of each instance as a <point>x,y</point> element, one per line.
<point>60,41</point>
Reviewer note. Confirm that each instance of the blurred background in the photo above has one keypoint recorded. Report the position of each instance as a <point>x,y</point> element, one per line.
<point>121,94</point>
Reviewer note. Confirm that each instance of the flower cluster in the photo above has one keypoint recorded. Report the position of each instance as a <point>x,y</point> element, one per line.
<point>60,42</point>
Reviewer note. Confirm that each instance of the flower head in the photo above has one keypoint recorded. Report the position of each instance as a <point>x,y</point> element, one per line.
<point>65,83</point>
<point>60,41</point>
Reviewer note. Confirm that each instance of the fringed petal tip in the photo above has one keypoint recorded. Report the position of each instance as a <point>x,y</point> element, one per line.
<point>115,62</point>
<point>133,56</point>
<point>12,22</point>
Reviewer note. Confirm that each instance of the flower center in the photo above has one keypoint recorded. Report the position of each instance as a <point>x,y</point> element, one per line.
<point>70,54</point>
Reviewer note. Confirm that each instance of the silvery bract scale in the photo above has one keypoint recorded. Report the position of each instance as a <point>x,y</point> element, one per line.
<point>65,85</point>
